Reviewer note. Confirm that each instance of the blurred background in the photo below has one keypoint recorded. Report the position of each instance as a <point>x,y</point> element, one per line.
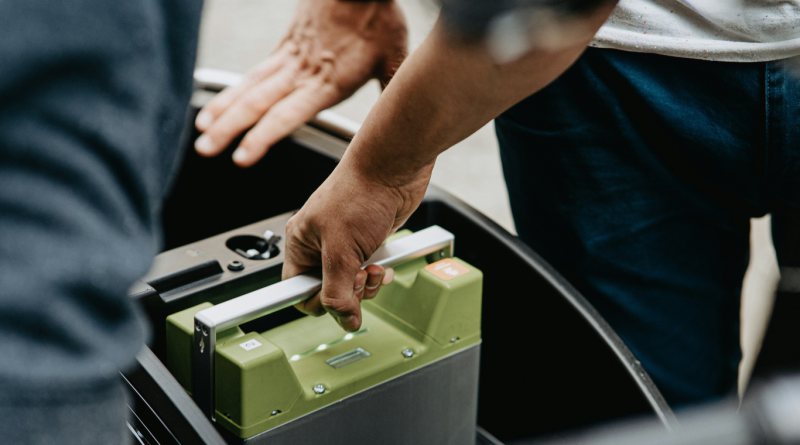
<point>237,34</point>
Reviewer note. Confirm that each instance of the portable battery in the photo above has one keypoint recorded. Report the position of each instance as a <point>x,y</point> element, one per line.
<point>409,375</point>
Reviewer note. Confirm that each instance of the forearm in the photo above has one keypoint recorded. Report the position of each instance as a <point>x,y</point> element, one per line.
<point>446,91</point>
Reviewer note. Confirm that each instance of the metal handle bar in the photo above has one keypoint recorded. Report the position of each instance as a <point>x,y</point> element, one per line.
<point>286,293</point>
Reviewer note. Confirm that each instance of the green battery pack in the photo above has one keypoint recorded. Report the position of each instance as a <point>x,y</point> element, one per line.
<point>264,380</point>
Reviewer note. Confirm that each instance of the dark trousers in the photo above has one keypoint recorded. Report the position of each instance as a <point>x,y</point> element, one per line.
<point>635,175</point>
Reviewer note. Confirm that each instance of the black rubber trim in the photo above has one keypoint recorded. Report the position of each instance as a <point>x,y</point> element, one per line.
<point>167,399</point>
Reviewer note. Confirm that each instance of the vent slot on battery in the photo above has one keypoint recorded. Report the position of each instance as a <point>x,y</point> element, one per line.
<point>347,358</point>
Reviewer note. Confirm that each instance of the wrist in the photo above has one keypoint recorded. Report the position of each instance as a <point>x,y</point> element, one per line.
<point>399,194</point>
<point>389,165</point>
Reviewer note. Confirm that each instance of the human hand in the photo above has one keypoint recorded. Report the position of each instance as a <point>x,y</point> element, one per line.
<point>332,48</point>
<point>339,228</point>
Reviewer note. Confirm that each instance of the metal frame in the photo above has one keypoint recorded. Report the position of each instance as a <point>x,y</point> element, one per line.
<point>286,293</point>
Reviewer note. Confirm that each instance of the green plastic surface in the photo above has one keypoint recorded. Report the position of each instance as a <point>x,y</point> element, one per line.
<point>418,311</point>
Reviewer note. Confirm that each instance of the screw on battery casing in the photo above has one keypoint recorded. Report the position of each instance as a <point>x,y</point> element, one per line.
<point>407,353</point>
<point>235,266</point>
<point>319,389</point>
<point>454,339</point>
<point>276,412</point>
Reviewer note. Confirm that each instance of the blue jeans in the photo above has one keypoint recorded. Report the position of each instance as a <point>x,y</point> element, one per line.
<point>635,176</point>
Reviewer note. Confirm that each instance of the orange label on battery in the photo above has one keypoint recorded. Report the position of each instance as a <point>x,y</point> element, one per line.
<point>447,269</point>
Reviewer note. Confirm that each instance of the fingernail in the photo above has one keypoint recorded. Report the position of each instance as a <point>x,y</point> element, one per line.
<point>203,120</point>
<point>240,155</point>
<point>347,320</point>
<point>374,280</point>
<point>204,145</point>
<point>360,281</point>
<point>387,279</point>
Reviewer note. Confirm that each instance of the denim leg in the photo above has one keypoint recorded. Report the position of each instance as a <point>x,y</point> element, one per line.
<point>782,191</point>
<point>781,177</point>
<point>782,165</point>
<point>635,176</point>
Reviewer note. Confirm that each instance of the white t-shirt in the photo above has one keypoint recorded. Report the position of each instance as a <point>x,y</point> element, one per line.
<point>721,30</point>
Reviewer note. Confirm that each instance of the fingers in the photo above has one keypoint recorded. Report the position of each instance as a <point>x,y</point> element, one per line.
<point>390,67</point>
<point>302,255</point>
<point>344,283</point>
<point>342,290</point>
<point>226,97</point>
<point>375,276</point>
<point>350,320</point>
<point>365,287</point>
<point>245,112</point>
<point>387,279</point>
<point>279,105</point>
<point>281,120</point>
<point>311,306</point>
<point>359,284</point>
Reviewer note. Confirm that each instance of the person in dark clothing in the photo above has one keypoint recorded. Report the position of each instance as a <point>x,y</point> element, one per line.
<point>93,96</point>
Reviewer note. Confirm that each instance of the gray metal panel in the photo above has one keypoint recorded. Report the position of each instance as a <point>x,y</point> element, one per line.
<point>435,404</point>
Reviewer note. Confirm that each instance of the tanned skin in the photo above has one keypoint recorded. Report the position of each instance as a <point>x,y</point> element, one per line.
<point>445,91</point>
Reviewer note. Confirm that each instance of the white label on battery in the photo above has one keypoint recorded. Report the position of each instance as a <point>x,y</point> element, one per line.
<point>250,344</point>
